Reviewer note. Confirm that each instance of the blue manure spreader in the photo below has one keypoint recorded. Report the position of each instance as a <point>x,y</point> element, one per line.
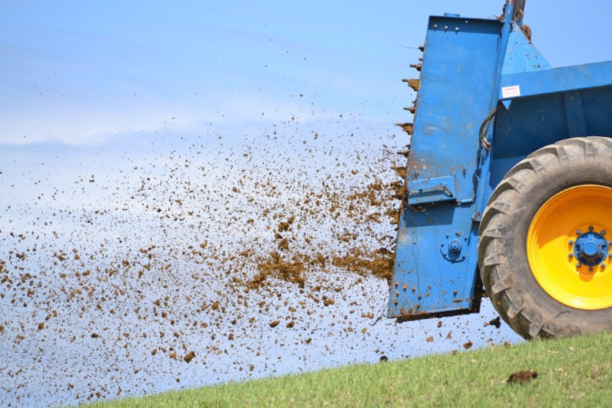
<point>509,183</point>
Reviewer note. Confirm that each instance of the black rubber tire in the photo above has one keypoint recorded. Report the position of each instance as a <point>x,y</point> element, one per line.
<point>502,248</point>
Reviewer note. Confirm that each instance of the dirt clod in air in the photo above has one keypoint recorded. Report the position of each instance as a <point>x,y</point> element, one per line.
<point>378,263</point>
<point>495,322</point>
<point>189,356</point>
<point>328,302</point>
<point>286,225</point>
<point>468,345</point>
<point>274,323</point>
<point>283,245</point>
<point>277,267</point>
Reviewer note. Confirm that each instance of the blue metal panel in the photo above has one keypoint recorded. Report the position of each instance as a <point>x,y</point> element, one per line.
<point>597,105</point>
<point>522,55</point>
<point>436,253</point>
<point>558,80</point>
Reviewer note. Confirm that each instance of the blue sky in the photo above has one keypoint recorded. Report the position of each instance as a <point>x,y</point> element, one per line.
<point>78,72</point>
<point>112,111</point>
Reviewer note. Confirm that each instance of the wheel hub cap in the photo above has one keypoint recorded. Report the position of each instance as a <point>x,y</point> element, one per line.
<point>591,248</point>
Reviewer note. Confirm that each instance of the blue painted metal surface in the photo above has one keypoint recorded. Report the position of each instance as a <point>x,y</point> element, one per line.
<point>521,55</point>
<point>474,70</point>
<point>460,68</point>
<point>591,248</point>
<point>558,80</point>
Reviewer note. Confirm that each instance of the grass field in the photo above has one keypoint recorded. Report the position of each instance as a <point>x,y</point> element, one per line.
<point>571,372</point>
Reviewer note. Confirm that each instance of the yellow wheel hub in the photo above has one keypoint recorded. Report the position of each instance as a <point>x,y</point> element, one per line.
<point>568,247</point>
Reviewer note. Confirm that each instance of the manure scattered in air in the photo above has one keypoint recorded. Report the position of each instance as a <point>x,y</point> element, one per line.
<point>200,260</point>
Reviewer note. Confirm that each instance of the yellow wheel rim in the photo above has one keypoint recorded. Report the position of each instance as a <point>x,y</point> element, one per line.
<point>568,247</point>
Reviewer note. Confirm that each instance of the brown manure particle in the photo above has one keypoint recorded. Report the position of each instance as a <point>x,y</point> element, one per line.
<point>495,322</point>
<point>283,244</point>
<point>189,356</point>
<point>328,302</point>
<point>274,323</point>
<point>286,226</point>
<point>379,263</point>
<point>277,267</point>
<point>384,359</point>
<point>522,377</point>
<point>468,345</point>
<point>401,171</point>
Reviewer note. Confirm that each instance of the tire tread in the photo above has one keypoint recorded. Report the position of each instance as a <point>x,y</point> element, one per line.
<point>515,305</point>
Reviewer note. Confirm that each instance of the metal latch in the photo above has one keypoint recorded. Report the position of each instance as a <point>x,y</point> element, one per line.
<point>431,190</point>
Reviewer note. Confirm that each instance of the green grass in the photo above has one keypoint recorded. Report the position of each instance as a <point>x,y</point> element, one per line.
<point>571,372</point>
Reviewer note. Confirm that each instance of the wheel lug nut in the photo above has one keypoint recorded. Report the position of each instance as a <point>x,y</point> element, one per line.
<point>590,269</point>
<point>603,266</point>
<point>591,228</point>
<point>579,232</point>
<point>571,242</point>
<point>603,232</point>
<point>578,265</point>
<point>571,255</point>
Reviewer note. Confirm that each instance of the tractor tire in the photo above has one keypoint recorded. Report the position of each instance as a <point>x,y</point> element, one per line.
<point>543,248</point>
